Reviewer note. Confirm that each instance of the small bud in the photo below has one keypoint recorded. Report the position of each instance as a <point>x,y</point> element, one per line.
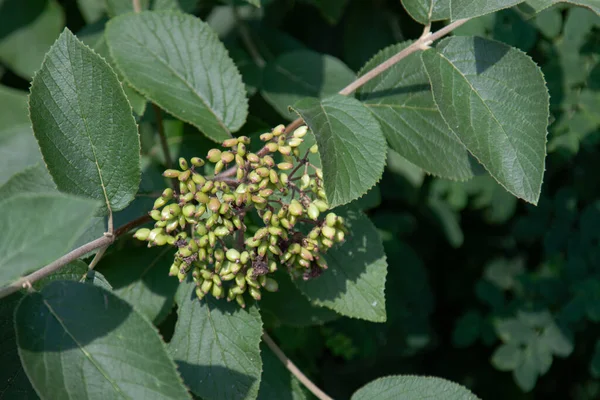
<point>171,173</point>
<point>271,285</point>
<point>295,142</point>
<point>313,212</point>
<point>214,204</point>
<point>227,157</point>
<point>233,255</point>
<point>278,130</point>
<point>142,234</point>
<point>230,142</point>
<point>284,166</point>
<point>301,132</point>
<point>214,155</point>
<point>314,149</point>
<point>271,147</point>
<point>183,164</point>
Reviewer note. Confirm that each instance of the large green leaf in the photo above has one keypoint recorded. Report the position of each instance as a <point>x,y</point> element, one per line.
<point>425,11</point>
<point>27,30</point>
<point>409,387</point>
<point>302,73</point>
<point>79,341</point>
<point>474,8</point>
<point>401,100</point>
<point>39,228</point>
<point>84,125</point>
<point>140,276</point>
<point>276,381</point>
<point>216,346</point>
<point>351,145</point>
<point>197,83</point>
<point>18,148</point>
<point>14,384</point>
<point>354,282</point>
<point>75,271</point>
<point>495,99</point>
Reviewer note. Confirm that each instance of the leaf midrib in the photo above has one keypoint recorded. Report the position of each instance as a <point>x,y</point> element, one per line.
<point>85,353</point>
<point>182,79</point>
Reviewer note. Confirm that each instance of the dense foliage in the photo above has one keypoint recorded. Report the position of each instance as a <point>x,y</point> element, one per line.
<point>439,218</point>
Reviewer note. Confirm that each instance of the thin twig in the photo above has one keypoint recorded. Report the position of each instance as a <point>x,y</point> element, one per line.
<point>419,44</point>
<point>54,266</point>
<point>293,369</point>
<point>161,134</point>
<point>137,6</point>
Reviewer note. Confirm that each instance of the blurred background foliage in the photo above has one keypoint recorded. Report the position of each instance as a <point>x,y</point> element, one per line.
<point>482,289</point>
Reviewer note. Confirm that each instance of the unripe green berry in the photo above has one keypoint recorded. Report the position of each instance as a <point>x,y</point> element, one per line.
<point>265,137</point>
<point>198,179</point>
<point>273,178</point>
<point>227,157</point>
<point>328,231</point>
<point>321,205</point>
<point>253,158</point>
<point>296,208</point>
<point>284,178</point>
<point>197,162</point>
<point>331,219</point>
<point>183,164</point>
<point>214,204</point>
<point>206,286</point>
<point>240,300</point>
<point>295,142</point>
<point>184,176</point>
<point>244,257</point>
<point>275,249</point>
<point>285,150</point>
<point>155,215</point>
<point>267,216</point>
<point>304,181</point>
<point>241,149</point>
<point>314,149</point>
<point>217,291</point>
<point>219,166</point>
<point>271,147</point>
<point>284,166</point>
<point>221,231</point>
<point>278,130</point>
<point>160,240</point>
<point>268,161</point>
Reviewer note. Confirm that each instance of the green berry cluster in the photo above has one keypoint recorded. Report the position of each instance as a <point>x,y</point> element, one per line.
<point>206,217</point>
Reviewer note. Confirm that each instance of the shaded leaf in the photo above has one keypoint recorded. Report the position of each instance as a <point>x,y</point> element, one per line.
<point>507,357</point>
<point>526,374</point>
<point>89,141</point>
<point>302,73</point>
<point>331,10</point>
<point>216,346</point>
<point>14,383</point>
<point>48,223</point>
<point>351,145</point>
<point>474,8</point>
<point>18,148</point>
<point>141,277</point>
<point>410,387</point>
<point>354,282</point>
<point>34,179</point>
<point>289,306</point>
<point>276,381</point>
<point>494,98</point>
<point>75,271</point>
<point>198,84</point>
<point>425,11</point>
<point>32,25</point>
<point>401,100</point>
<point>118,353</point>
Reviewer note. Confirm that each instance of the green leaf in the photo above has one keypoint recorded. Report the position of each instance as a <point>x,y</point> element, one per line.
<point>507,357</point>
<point>401,100</point>
<point>467,330</point>
<point>18,148</point>
<point>331,10</point>
<point>84,125</point>
<point>474,8</point>
<point>30,25</point>
<point>559,343</point>
<point>354,282</point>
<point>593,5</point>
<point>198,84</point>
<point>512,330</point>
<point>33,179</point>
<point>410,387</point>
<point>14,384</point>
<point>448,220</point>
<point>351,145</point>
<point>49,223</point>
<point>495,99</point>
<point>216,346</point>
<point>526,374</point>
<point>302,73</point>
<point>141,277</point>
<point>118,353</point>
<point>289,306</point>
<point>75,271</point>
<point>425,11</point>
<point>276,381</point>
<point>91,10</point>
